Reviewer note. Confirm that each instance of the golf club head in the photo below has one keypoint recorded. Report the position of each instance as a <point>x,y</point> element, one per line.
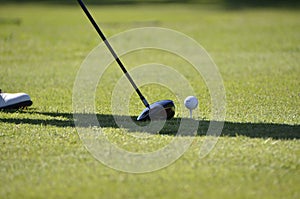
<point>161,110</point>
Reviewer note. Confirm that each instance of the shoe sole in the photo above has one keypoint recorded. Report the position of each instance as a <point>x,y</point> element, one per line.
<point>18,105</point>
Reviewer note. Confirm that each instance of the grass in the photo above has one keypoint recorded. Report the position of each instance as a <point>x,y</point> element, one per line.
<point>257,53</point>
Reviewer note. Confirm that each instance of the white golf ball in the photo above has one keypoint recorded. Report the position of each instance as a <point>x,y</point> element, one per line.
<point>191,102</point>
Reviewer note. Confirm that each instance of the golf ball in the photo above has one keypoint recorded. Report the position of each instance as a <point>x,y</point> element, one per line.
<point>191,102</point>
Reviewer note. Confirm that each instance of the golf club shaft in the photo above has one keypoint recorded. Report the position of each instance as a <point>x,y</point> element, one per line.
<point>113,53</point>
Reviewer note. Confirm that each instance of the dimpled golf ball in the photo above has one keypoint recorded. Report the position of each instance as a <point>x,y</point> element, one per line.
<point>191,102</point>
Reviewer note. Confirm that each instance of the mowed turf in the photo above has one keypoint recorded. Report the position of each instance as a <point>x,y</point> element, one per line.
<point>257,52</point>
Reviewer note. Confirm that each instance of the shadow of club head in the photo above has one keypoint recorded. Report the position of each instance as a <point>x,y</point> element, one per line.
<point>160,110</point>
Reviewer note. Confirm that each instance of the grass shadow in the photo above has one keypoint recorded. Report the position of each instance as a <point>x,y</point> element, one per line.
<point>252,130</point>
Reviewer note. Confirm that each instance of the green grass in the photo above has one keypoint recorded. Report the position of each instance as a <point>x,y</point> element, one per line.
<point>257,52</point>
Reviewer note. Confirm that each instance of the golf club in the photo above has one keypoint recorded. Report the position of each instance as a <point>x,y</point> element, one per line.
<point>164,109</point>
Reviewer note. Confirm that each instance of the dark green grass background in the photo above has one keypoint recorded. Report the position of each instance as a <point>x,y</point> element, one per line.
<point>225,3</point>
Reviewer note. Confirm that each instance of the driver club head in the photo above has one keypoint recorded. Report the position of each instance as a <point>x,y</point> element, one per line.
<point>161,110</point>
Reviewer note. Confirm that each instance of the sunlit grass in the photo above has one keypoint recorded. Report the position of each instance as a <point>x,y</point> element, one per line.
<point>256,51</point>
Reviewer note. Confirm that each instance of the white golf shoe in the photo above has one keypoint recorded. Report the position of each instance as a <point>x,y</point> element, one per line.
<point>14,100</point>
